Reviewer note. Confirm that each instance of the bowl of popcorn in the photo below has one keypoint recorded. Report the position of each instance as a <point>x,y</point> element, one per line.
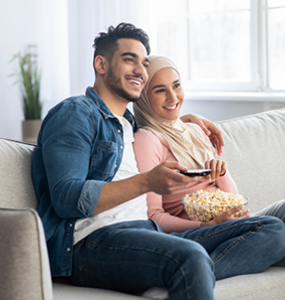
<point>205,205</point>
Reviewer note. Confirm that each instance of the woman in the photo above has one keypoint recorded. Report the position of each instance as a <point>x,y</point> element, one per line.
<point>163,136</point>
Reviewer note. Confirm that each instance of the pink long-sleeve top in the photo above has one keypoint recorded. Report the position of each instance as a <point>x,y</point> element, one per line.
<point>168,211</point>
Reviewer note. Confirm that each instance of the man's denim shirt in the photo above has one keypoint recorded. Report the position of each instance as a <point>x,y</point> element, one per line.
<point>79,149</point>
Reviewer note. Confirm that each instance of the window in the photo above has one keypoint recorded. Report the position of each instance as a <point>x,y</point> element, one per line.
<point>222,45</point>
<point>275,13</point>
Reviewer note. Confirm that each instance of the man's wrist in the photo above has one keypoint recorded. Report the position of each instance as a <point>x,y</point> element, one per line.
<point>143,182</point>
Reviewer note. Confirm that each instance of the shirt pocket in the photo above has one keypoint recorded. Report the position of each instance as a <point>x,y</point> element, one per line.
<point>104,159</point>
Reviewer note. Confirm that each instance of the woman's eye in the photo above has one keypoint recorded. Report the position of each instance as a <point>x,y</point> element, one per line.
<point>159,91</point>
<point>177,85</point>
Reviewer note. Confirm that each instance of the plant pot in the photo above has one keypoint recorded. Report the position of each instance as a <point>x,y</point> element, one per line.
<point>30,130</point>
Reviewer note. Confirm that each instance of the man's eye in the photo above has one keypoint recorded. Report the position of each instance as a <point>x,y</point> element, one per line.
<point>129,59</point>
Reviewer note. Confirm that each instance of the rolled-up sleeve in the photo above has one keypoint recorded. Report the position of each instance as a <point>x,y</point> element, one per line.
<point>67,136</point>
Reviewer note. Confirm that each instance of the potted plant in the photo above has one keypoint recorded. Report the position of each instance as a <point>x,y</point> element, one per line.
<point>29,81</point>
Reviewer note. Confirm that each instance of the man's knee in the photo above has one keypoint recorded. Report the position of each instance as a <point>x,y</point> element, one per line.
<point>193,256</point>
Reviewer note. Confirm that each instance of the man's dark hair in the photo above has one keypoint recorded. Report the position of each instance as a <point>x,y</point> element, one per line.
<point>106,44</point>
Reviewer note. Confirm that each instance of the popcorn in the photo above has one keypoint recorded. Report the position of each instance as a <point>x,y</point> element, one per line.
<point>204,205</point>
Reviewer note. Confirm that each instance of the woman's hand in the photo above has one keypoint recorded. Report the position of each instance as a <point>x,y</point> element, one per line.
<point>218,167</point>
<point>211,130</point>
<point>227,216</point>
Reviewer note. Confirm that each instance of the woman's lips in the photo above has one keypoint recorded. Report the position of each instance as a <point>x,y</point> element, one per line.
<point>171,107</point>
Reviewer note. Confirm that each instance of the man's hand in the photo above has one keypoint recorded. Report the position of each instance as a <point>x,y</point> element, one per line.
<point>164,180</point>
<point>227,216</point>
<point>210,129</point>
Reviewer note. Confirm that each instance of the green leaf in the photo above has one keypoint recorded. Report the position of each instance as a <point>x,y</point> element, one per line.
<point>29,81</point>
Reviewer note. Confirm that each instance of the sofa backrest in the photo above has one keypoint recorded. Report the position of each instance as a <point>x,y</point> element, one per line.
<point>255,153</point>
<point>16,186</point>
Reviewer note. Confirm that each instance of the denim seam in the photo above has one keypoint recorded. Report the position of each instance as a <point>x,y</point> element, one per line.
<point>236,241</point>
<point>82,269</point>
<point>258,223</point>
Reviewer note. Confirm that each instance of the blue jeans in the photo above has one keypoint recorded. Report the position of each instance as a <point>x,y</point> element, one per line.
<point>277,210</point>
<point>135,256</point>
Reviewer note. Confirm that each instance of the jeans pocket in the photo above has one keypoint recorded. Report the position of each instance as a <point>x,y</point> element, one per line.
<point>89,279</point>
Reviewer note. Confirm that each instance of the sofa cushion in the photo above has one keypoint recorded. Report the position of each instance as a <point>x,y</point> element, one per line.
<point>16,186</point>
<point>24,265</point>
<point>63,290</point>
<point>255,154</point>
<point>267,285</point>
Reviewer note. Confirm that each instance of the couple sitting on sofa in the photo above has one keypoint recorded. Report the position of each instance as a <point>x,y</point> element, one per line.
<point>92,198</point>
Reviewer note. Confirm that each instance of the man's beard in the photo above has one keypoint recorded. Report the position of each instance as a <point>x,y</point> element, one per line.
<point>115,85</point>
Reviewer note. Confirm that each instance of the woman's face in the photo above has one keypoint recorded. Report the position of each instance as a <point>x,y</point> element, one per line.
<point>165,94</point>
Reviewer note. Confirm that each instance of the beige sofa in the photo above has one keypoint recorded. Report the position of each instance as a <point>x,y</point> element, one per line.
<point>255,155</point>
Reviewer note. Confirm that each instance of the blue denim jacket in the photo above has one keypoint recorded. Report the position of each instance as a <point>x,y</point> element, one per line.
<point>79,149</point>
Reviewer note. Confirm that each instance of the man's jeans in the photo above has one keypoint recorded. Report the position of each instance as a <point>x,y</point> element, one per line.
<point>134,256</point>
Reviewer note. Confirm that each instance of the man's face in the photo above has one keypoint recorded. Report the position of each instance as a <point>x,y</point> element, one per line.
<point>127,73</point>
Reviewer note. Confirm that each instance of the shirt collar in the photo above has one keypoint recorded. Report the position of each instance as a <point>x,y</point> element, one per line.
<point>105,111</point>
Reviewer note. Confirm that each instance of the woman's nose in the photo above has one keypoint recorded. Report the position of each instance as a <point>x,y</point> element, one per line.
<point>171,96</point>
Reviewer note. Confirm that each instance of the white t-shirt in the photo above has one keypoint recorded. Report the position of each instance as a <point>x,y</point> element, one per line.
<point>135,209</point>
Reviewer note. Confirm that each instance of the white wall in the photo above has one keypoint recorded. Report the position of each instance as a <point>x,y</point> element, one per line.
<point>216,110</point>
<point>45,24</point>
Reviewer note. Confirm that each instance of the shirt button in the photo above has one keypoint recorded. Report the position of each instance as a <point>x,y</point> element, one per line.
<point>70,225</point>
<point>121,147</point>
<point>115,166</point>
<point>68,249</point>
<point>119,130</point>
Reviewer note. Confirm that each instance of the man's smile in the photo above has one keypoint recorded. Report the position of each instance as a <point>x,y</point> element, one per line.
<point>135,81</point>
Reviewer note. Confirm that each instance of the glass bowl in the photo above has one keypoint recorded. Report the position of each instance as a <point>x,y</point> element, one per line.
<point>206,212</point>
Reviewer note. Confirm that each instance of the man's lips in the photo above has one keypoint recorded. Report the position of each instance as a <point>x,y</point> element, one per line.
<point>137,82</point>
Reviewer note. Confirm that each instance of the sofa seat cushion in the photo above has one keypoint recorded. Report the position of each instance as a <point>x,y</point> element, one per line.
<point>63,290</point>
<point>262,286</point>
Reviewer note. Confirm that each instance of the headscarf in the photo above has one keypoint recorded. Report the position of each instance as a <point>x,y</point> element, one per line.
<point>184,140</point>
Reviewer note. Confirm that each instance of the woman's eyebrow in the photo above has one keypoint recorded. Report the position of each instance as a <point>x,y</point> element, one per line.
<point>158,86</point>
<point>163,85</point>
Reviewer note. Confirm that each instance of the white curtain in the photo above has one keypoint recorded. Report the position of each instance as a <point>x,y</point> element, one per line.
<point>86,19</point>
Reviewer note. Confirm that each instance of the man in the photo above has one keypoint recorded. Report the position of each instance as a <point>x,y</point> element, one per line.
<point>92,198</point>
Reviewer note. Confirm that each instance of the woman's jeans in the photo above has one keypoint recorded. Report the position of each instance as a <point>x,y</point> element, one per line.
<point>276,209</point>
<point>135,256</point>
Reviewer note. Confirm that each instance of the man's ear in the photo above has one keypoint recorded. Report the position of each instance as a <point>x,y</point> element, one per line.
<point>100,64</point>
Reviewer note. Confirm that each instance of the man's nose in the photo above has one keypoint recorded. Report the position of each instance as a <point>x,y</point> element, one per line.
<point>141,70</point>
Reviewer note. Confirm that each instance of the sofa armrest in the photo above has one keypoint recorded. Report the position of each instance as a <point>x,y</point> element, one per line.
<point>24,264</point>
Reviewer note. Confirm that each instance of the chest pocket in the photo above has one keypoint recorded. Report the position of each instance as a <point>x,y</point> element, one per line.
<point>104,159</point>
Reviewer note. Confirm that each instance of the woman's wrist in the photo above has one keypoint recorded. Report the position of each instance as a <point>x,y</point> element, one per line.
<point>209,223</point>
